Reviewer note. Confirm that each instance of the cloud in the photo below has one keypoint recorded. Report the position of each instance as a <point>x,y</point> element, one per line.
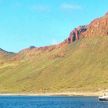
<point>67,6</point>
<point>40,8</point>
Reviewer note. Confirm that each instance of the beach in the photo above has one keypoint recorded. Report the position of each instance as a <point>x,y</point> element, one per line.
<point>99,93</point>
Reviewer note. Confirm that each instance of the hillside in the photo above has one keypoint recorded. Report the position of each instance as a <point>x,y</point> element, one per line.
<point>80,65</point>
<point>5,56</point>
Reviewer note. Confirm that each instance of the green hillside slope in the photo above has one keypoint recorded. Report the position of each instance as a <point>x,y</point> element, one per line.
<point>82,65</point>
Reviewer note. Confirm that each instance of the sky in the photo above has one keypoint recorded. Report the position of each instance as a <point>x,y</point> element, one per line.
<point>25,23</point>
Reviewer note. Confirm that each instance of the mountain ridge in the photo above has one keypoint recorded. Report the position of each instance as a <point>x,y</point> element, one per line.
<point>79,63</point>
<point>83,31</point>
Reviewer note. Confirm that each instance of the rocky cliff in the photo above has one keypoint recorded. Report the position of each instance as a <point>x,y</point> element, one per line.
<point>98,27</point>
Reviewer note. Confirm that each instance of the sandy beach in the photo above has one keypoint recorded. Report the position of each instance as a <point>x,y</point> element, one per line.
<point>100,93</point>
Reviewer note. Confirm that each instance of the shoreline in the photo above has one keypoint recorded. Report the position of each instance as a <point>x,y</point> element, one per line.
<point>55,94</point>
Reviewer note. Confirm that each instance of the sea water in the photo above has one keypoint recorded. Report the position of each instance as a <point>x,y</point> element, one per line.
<point>50,102</point>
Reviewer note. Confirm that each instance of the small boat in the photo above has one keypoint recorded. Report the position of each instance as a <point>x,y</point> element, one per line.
<point>103,98</point>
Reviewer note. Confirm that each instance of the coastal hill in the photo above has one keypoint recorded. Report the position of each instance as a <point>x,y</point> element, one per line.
<point>80,63</point>
<point>98,27</point>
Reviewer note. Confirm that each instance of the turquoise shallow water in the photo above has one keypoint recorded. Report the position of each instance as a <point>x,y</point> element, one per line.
<point>50,102</point>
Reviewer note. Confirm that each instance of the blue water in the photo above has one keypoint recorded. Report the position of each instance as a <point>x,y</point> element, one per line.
<point>51,102</point>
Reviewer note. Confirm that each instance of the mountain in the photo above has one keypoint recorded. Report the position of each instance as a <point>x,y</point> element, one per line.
<point>98,27</point>
<point>3,52</point>
<point>80,63</point>
<point>4,55</point>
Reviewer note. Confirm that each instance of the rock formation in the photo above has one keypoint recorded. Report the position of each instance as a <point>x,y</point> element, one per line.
<point>98,27</point>
<point>75,34</point>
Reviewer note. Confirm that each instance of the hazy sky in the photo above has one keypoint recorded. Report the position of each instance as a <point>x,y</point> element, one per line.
<point>43,22</point>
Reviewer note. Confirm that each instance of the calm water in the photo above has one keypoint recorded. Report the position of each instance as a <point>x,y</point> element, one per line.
<point>51,102</point>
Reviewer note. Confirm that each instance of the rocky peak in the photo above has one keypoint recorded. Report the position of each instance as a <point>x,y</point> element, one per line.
<point>98,27</point>
<point>76,33</point>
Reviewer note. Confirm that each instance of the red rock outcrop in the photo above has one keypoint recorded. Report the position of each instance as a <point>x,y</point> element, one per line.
<point>98,27</point>
<point>76,33</point>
